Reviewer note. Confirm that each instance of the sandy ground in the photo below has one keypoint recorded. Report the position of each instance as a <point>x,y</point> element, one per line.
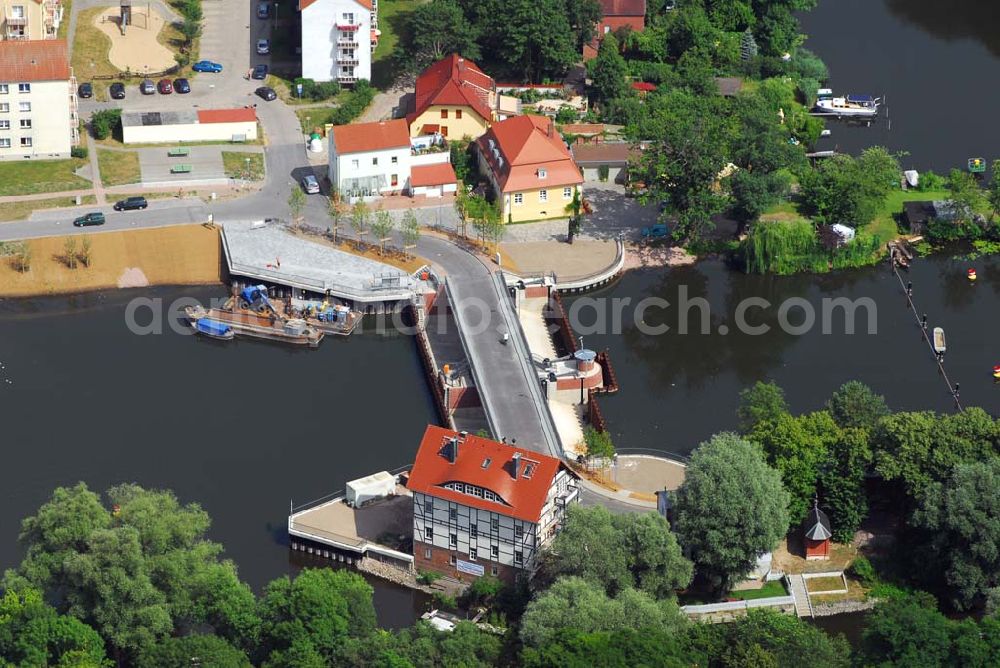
<point>181,255</point>
<point>582,258</point>
<point>639,255</point>
<point>648,474</point>
<point>788,557</point>
<point>137,49</point>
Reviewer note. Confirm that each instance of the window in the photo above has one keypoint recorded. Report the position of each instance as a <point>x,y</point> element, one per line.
<point>4,142</point>
<point>394,179</point>
<point>487,462</point>
<point>25,123</point>
<point>472,554</point>
<point>458,113</point>
<point>453,539</point>
<point>355,164</point>
<point>348,18</point>
<point>451,560</point>
<point>518,557</point>
<point>17,12</point>
<point>567,193</point>
<point>395,159</point>
<point>470,489</point>
<point>427,553</point>
<point>25,142</point>
<point>4,107</point>
<point>518,198</point>
<point>453,514</point>
<point>529,469</point>
<point>518,531</point>
<point>495,523</point>
<point>477,491</point>
<point>429,533</point>
<point>374,161</point>
<point>489,496</point>
<point>543,195</point>
<point>24,88</point>
<point>444,113</point>
<point>4,89</point>
<point>542,173</point>
<point>473,531</point>
<point>444,130</point>
<point>4,125</point>
<point>24,106</point>
<point>494,570</point>
<point>607,29</point>
<point>429,504</point>
<point>495,551</point>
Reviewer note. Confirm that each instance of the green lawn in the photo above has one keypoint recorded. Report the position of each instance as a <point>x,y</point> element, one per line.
<point>28,177</point>
<point>313,117</point>
<point>235,163</point>
<point>393,21</point>
<point>118,167</point>
<point>884,224</point>
<point>773,588</point>
<point>20,210</point>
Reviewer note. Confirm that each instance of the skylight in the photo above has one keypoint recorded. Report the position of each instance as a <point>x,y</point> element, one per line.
<point>487,462</point>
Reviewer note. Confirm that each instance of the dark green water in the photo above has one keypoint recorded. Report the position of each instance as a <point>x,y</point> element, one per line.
<point>240,427</point>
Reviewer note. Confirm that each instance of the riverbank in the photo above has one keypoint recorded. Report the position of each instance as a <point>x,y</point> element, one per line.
<point>179,255</point>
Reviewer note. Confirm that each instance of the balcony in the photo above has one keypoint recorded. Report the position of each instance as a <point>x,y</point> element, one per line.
<point>347,43</point>
<point>16,20</point>
<point>348,27</point>
<point>347,60</point>
<point>346,78</point>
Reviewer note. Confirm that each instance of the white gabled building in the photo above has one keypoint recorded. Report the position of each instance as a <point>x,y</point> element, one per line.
<point>484,508</point>
<point>338,38</point>
<point>38,105</point>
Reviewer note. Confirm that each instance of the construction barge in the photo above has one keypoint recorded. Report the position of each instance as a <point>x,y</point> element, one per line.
<point>254,325</point>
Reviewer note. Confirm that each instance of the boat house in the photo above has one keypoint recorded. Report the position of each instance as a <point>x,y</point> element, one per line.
<point>816,534</point>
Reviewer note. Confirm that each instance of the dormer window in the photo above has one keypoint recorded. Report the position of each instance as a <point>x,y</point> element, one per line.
<point>487,462</point>
<point>542,173</point>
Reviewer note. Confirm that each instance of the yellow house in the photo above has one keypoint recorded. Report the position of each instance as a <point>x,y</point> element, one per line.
<point>529,168</point>
<point>454,98</point>
<point>30,19</point>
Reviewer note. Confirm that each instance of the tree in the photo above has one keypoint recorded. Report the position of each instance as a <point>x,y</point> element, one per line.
<point>590,547</point>
<point>462,209</point>
<point>382,226</point>
<point>959,519</point>
<point>69,252</point>
<point>730,509</point>
<point>410,230</point>
<point>181,653</point>
<point>965,193</point>
<point>314,614</point>
<point>908,633</point>
<point>598,443</point>
<point>85,245</point>
<point>574,603</point>
<point>360,215</point>
<point>32,633</point>
<point>534,39</point>
<point>572,648</point>
<point>103,123</point>
<point>753,193</point>
<point>764,402</point>
<point>296,203</point>
<point>652,554</point>
<point>440,28</point>
<point>856,406</point>
<point>608,70</point>
<point>22,259</point>
<point>993,191</point>
<point>782,640</point>
<point>335,209</point>
<point>842,483</point>
<point>850,190</point>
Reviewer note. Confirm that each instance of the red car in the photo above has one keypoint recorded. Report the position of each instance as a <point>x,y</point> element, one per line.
<point>165,87</point>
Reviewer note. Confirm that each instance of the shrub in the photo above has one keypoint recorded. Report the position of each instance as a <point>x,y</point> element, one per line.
<point>863,570</point>
<point>78,152</point>
<point>427,577</point>
<point>603,172</point>
<point>104,122</point>
<point>931,181</point>
<point>354,105</point>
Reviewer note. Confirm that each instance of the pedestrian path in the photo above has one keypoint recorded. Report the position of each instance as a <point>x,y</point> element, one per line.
<point>800,594</point>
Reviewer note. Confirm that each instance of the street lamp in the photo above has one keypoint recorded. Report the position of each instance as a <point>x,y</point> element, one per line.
<point>248,171</point>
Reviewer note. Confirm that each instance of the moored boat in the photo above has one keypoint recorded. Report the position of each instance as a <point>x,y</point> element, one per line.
<point>847,106</point>
<point>248,323</point>
<point>213,329</point>
<point>939,342</point>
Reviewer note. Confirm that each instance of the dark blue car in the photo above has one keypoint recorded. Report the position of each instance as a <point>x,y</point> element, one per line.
<point>206,66</point>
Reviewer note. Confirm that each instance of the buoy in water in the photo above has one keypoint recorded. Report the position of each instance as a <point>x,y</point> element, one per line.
<point>996,371</point>
<point>971,274</point>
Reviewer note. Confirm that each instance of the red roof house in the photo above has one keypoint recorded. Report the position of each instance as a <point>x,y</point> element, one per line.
<point>34,60</point>
<point>452,97</point>
<point>616,14</point>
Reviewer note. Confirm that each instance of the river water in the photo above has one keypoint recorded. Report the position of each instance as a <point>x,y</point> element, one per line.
<point>240,427</point>
<point>934,61</point>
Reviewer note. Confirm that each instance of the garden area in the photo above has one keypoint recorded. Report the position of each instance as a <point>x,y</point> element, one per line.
<point>28,177</point>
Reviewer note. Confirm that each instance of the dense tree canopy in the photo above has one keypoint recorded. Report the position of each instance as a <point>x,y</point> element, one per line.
<point>731,509</point>
<point>849,190</point>
<point>437,29</point>
<point>32,633</point>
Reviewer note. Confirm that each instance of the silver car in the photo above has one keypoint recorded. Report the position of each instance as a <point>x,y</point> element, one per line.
<point>310,185</point>
<point>263,47</point>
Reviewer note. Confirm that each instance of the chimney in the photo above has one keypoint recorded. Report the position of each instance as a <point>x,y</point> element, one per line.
<point>517,463</point>
<point>453,449</point>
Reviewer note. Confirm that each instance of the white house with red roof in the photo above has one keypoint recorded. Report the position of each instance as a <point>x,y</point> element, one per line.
<point>38,105</point>
<point>338,38</point>
<point>481,507</point>
<point>150,127</point>
<point>370,160</point>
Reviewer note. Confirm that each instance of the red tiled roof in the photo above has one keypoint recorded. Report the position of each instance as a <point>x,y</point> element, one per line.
<point>34,60</point>
<point>453,80</point>
<point>643,87</point>
<point>376,136</point>
<point>623,7</point>
<point>243,115</point>
<point>583,128</point>
<point>367,4</point>
<point>526,144</point>
<point>523,497</point>
<point>432,175</point>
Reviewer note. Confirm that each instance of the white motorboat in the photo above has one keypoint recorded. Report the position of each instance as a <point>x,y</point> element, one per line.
<point>848,106</point>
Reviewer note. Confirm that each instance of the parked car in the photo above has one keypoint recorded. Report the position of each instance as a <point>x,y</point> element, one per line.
<point>263,10</point>
<point>263,47</point>
<point>96,218</point>
<point>310,184</point>
<point>260,72</point>
<point>267,93</point>
<point>131,204</point>
<point>85,90</point>
<point>147,87</point>
<point>182,86</point>
<point>117,90</point>
<point>206,66</point>
<point>165,87</point>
